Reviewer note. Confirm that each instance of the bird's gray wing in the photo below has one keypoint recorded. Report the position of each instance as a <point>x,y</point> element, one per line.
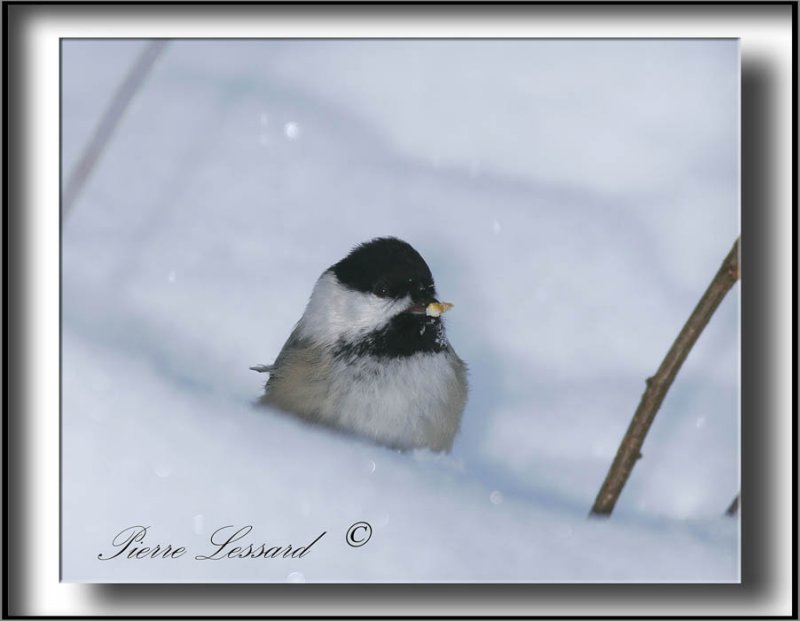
<point>299,379</point>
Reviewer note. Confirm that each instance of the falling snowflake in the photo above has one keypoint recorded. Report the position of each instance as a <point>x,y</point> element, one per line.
<point>292,130</point>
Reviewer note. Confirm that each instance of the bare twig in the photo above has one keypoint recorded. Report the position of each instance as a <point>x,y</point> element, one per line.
<point>108,123</point>
<point>734,508</point>
<point>657,386</point>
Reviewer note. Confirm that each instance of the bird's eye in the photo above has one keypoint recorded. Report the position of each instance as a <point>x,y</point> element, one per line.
<point>381,289</point>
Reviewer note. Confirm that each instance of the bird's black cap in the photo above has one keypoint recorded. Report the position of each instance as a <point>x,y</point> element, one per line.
<point>387,267</point>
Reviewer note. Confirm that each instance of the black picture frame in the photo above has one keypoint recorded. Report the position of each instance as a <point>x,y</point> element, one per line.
<point>767,408</point>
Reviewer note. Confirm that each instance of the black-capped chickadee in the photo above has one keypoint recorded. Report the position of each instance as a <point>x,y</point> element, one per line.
<point>369,356</point>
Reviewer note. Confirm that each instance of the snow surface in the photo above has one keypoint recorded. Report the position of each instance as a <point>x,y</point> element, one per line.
<point>573,199</point>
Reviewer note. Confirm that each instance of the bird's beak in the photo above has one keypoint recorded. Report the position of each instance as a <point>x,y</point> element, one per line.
<point>434,309</point>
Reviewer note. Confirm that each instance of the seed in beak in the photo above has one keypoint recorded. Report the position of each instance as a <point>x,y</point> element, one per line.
<point>435,309</point>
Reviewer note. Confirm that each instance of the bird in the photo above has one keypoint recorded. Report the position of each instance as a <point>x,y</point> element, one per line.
<point>370,357</point>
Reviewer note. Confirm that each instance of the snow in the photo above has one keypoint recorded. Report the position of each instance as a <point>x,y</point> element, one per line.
<point>573,199</point>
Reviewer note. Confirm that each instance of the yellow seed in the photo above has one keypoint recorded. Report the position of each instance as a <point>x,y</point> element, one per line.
<point>435,309</point>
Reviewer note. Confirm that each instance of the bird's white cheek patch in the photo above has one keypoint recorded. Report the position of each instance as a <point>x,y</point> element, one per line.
<point>335,312</point>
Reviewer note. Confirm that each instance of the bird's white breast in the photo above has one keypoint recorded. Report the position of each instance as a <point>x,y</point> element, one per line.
<point>408,402</point>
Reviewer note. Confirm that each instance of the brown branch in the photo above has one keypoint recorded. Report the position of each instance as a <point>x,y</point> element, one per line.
<point>108,123</point>
<point>657,386</point>
<point>734,508</point>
